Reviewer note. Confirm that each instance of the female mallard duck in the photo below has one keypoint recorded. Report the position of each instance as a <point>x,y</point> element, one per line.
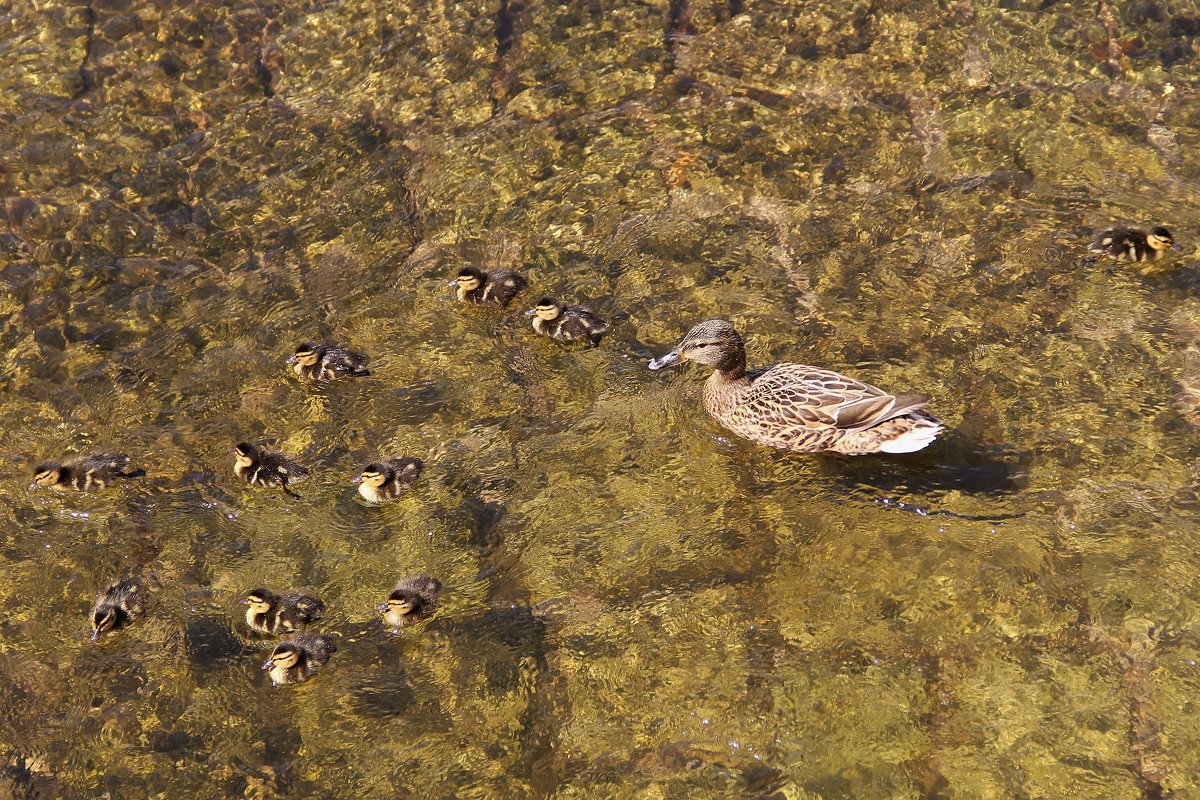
<point>388,479</point>
<point>487,287</point>
<point>260,467</point>
<point>324,362</point>
<point>413,599</point>
<point>298,660</point>
<point>1133,244</point>
<point>799,408</point>
<point>84,474</point>
<point>563,322</point>
<point>270,613</point>
<point>121,604</point>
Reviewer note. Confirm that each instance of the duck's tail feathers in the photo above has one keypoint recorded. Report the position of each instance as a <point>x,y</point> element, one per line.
<point>923,431</point>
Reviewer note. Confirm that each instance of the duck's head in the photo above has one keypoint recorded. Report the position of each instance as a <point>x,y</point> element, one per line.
<point>246,454</point>
<point>104,619</point>
<point>374,475</point>
<point>469,279</point>
<point>1160,239</point>
<point>284,656</point>
<point>714,343</point>
<point>307,354</point>
<point>547,308</point>
<point>260,600</point>
<point>46,474</point>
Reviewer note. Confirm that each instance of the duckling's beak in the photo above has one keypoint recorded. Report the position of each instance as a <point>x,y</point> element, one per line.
<point>270,664</point>
<point>357,479</point>
<point>382,607</point>
<point>1175,246</point>
<point>531,312</point>
<point>292,360</point>
<point>33,485</point>
<point>245,601</point>
<point>95,634</point>
<point>453,283</point>
<point>669,360</point>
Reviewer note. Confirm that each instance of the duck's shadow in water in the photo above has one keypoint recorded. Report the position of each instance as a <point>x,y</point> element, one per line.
<point>954,463</point>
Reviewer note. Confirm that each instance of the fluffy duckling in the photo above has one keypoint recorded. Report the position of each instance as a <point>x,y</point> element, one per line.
<point>270,613</point>
<point>87,473</point>
<point>258,466</point>
<point>487,287</point>
<point>324,362</point>
<point>298,660</point>
<point>414,599</point>
<point>800,408</point>
<point>1133,244</point>
<point>388,479</point>
<point>563,322</point>
<point>121,604</point>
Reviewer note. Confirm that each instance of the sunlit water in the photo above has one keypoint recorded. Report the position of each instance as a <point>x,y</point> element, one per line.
<point>636,604</point>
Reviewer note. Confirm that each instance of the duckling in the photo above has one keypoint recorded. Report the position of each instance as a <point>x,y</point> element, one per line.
<point>1133,244</point>
<point>800,408</point>
<point>84,474</point>
<point>298,660</point>
<point>260,467</point>
<point>414,599</point>
<point>563,322</point>
<point>388,479</point>
<point>325,362</point>
<point>121,604</point>
<point>267,612</point>
<point>487,287</point>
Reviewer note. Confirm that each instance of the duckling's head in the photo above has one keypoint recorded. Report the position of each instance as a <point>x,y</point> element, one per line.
<point>104,619</point>
<point>547,308</point>
<point>1160,239</point>
<point>307,354</point>
<point>401,602</point>
<point>46,474</point>
<point>374,475</point>
<point>469,279</point>
<point>246,454</point>
<point>260,600</point>
<point>284,656</point>
<point>714,343</point>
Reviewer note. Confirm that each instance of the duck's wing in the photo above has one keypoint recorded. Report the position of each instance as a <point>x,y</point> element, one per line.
<point>796,395</point>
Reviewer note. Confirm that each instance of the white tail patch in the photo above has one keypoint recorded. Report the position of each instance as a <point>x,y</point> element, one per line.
<point>911,441</point>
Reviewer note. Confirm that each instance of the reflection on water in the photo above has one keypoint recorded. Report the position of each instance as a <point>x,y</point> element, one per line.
<point>635,605</point>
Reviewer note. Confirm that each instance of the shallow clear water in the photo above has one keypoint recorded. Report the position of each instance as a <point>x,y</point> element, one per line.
<point>636,604</point>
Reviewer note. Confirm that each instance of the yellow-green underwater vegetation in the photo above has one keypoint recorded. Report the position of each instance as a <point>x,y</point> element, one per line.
<point>634,603</point>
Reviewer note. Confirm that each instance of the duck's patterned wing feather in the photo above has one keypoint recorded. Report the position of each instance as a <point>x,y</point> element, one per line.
<point>806,406</point>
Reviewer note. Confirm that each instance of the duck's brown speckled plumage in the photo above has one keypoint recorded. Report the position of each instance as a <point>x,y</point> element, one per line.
<point>1133,244</point>
<point>801,408</point>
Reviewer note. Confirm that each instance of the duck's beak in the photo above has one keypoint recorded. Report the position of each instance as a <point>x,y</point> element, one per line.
<point>33,485</point>
<point>245,601</point>
<point>531,312</point>
<point>270,663</point>
<point>1177,248</point>
<point>453,283</point>
<point>357,479</point>
<point>292,360</point>
<point>95,634</point>
<point>669,360</point>
<point>382,607</point>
